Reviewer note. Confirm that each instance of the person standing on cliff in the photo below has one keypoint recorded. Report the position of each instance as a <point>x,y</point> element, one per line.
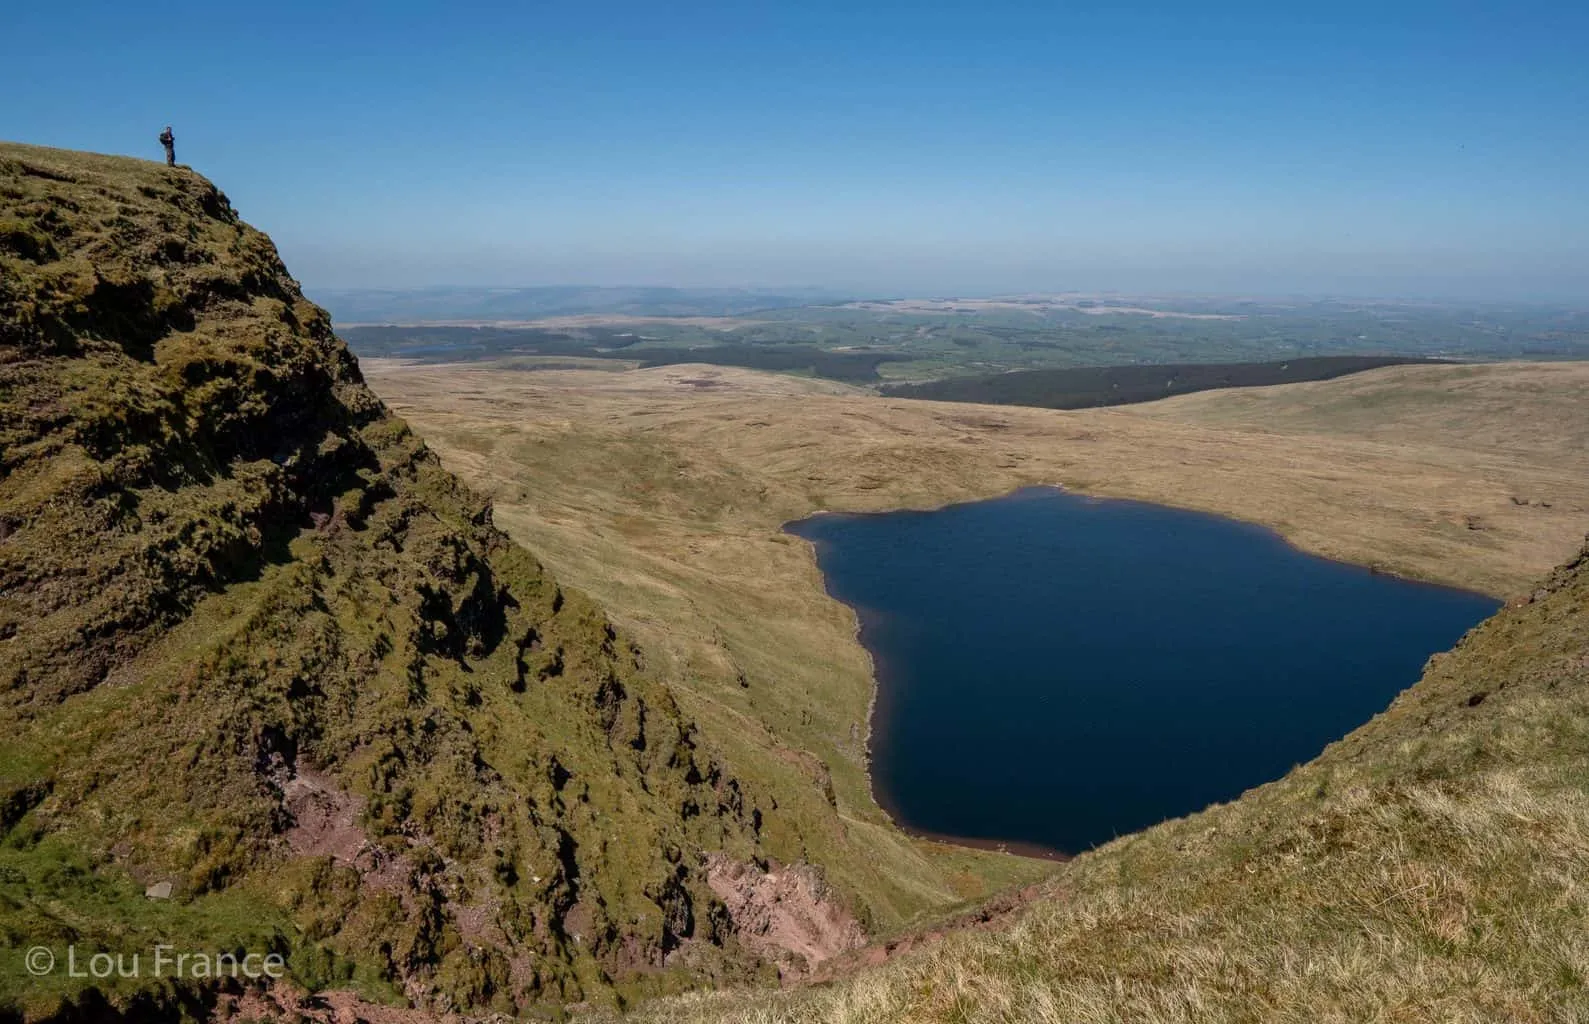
<point>169,141</point>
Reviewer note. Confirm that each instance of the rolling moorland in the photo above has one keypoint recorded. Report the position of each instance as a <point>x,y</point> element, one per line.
<point>427,769</point>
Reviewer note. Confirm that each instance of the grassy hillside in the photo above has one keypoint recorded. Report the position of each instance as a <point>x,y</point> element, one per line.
<point>1090,386</point>
<point>255,643</point>
<point>1429,867</point>
<point>1530,411</point>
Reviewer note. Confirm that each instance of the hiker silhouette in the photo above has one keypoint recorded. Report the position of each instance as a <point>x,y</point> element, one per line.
<point>169,141</point>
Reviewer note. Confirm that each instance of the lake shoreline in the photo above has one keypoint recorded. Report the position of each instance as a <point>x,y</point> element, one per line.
<point>867,620</point>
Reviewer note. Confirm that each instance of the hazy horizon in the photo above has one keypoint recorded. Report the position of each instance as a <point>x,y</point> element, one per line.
<point>1415,150</point>
<point>819,294</point>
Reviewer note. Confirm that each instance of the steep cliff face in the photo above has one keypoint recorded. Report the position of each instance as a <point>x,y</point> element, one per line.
<point>256,643</point>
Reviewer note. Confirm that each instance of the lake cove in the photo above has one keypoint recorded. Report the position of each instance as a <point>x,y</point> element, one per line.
<point>1058,670</point>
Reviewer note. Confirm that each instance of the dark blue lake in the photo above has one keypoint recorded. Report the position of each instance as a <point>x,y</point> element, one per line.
<point>1059,670</point>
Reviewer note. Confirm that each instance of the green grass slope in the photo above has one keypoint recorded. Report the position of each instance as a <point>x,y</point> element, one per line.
<point>1431,866</point>
<point>256,643</point>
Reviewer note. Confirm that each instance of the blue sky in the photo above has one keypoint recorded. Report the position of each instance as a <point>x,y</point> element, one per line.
<point>1350,148</point>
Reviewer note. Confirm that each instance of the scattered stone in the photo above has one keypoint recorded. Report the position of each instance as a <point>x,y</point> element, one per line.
<point>158,891</point>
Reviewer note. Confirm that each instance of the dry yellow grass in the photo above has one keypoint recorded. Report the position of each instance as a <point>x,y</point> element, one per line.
<point>1476,476</point>
<point>662,493</point>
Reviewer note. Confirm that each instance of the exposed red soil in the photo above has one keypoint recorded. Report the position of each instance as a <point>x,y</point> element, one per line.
<point>785,915</point>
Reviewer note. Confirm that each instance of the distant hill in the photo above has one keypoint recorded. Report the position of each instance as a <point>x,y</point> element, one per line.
<point>360,305</point>
<point>1089,386</point>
